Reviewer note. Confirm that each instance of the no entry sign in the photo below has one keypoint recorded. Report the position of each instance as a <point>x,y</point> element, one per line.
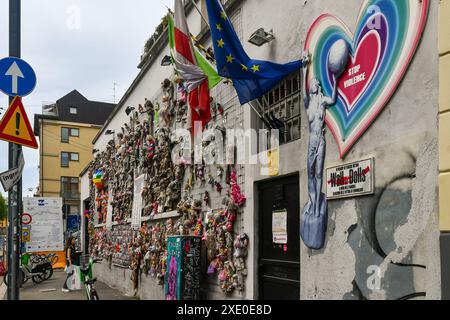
<point>26,219</point>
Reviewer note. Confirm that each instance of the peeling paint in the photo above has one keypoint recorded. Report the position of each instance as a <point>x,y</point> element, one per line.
<point>340,269</point>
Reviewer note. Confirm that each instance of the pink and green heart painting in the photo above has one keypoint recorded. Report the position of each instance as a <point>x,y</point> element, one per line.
<point>382,47</point>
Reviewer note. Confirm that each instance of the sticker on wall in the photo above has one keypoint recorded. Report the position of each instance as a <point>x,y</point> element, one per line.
<point>381,46</point>
<point>109,211</point>
<point>136,214</point>
<point>351,180</point>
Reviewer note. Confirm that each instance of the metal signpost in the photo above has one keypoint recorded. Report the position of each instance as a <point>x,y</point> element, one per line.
<point>17,79</point>
<point>14,197</point>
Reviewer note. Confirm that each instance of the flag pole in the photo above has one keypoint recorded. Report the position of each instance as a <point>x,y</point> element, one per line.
<point>250,103</point>
<point>200,12</point>
<point>207,23</point>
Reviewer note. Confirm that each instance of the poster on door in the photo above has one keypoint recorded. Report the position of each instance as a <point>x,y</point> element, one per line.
<point>279,227</point>
<point>73,223</point>
<point>46,228</point>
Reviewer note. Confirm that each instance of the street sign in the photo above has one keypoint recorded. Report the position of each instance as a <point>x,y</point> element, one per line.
<point>26,234</point>
<point>47,226</point>
<point>15,126</point>
<point>11,177</point>
<point>26,219</point>
<point>17,78</point>
<point>351,180</point>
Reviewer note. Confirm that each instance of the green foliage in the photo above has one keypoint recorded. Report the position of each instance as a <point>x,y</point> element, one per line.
<point>3,208</point>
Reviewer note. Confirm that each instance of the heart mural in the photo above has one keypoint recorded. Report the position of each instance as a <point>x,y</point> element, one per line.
<point>387,35</point>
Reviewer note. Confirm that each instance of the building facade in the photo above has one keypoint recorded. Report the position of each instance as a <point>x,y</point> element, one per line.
<point>382,242</point>
<point>65,131</point>
<point>444,139</point>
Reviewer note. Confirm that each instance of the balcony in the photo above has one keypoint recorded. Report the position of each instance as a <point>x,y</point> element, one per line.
<point>68,195</point>
<point>49,109</point>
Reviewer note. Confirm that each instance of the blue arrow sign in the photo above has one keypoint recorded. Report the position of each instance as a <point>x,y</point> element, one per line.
<point>17,78</point>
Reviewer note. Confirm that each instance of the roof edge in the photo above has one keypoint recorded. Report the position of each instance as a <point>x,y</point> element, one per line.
<point>158,49</point>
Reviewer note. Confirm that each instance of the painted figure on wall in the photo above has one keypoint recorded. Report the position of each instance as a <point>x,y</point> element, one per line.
<point>173,279</point>
<point>382,44</point>
<point>315,213</point>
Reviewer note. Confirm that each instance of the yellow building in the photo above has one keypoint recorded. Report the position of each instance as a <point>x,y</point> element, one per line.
<point>444,142</point>
<point>66,130</point>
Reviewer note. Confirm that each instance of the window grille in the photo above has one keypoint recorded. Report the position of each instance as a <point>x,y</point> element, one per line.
<point>284,102</point>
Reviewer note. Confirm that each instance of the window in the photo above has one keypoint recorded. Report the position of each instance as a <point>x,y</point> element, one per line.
<point>283,103</point>
<point>69,188</point>
<point>74,210</point>
<point>74,156</point>
<point>74,132</point>
<point>69,156</point>
<point>64,159</point>
<point>69,132</point>
<point>65,135</point>
<point>73,110</point>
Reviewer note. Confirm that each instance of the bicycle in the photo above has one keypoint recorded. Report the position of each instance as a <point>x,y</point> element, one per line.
<point>87,278</point>
<point>38,273</point>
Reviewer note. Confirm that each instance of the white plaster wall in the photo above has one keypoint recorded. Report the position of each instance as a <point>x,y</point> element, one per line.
<point>408,121</point>
<point>407,125</point>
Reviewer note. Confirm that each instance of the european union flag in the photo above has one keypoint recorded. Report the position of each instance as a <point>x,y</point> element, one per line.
<point>251,78</point>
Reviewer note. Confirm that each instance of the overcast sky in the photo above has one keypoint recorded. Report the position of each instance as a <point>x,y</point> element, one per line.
<point>78,44</point>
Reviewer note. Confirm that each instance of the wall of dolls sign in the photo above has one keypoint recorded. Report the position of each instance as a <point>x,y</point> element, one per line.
<point>143,146</point>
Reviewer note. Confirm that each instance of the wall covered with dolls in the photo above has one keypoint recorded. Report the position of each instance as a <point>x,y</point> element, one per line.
<point>177,199</point>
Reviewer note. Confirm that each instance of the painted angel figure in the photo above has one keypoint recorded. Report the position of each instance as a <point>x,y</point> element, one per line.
<point>314,217</point>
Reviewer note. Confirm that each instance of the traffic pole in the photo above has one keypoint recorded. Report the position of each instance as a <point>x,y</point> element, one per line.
<point>14,196</point>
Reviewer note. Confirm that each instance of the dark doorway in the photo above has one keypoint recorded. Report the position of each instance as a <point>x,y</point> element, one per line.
<point>279,236</point>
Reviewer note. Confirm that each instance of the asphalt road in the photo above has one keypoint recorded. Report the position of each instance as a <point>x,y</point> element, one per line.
<point>51,290</point>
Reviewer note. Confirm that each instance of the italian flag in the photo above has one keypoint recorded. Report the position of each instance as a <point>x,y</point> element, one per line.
<point>198,74</point>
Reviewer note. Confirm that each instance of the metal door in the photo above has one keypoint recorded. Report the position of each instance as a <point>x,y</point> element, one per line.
<point>279,239</point>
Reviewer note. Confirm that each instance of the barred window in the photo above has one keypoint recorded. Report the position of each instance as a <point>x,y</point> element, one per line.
<point>284,103</point>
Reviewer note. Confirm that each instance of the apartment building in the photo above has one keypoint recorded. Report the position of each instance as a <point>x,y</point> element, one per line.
<point>66,130</point>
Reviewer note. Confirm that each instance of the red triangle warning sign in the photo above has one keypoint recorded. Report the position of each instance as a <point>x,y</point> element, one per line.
<point>15,126</point>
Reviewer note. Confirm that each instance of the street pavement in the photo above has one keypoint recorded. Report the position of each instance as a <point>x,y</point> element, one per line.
<point>2,288</point>
<point>51,290</point>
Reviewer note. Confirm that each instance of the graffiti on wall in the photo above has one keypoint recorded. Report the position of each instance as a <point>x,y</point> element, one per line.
<point>376,237</point>
<point>350,80</point>
<point>174,256</point>
<point>183,274</point>
<point>191,286</point>
<point>382,46</point>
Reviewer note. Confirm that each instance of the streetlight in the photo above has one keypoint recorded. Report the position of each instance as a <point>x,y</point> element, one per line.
<point>166,61</point>
<point>128,110</point>
<point>260,37</point>
<point>109,132</point>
